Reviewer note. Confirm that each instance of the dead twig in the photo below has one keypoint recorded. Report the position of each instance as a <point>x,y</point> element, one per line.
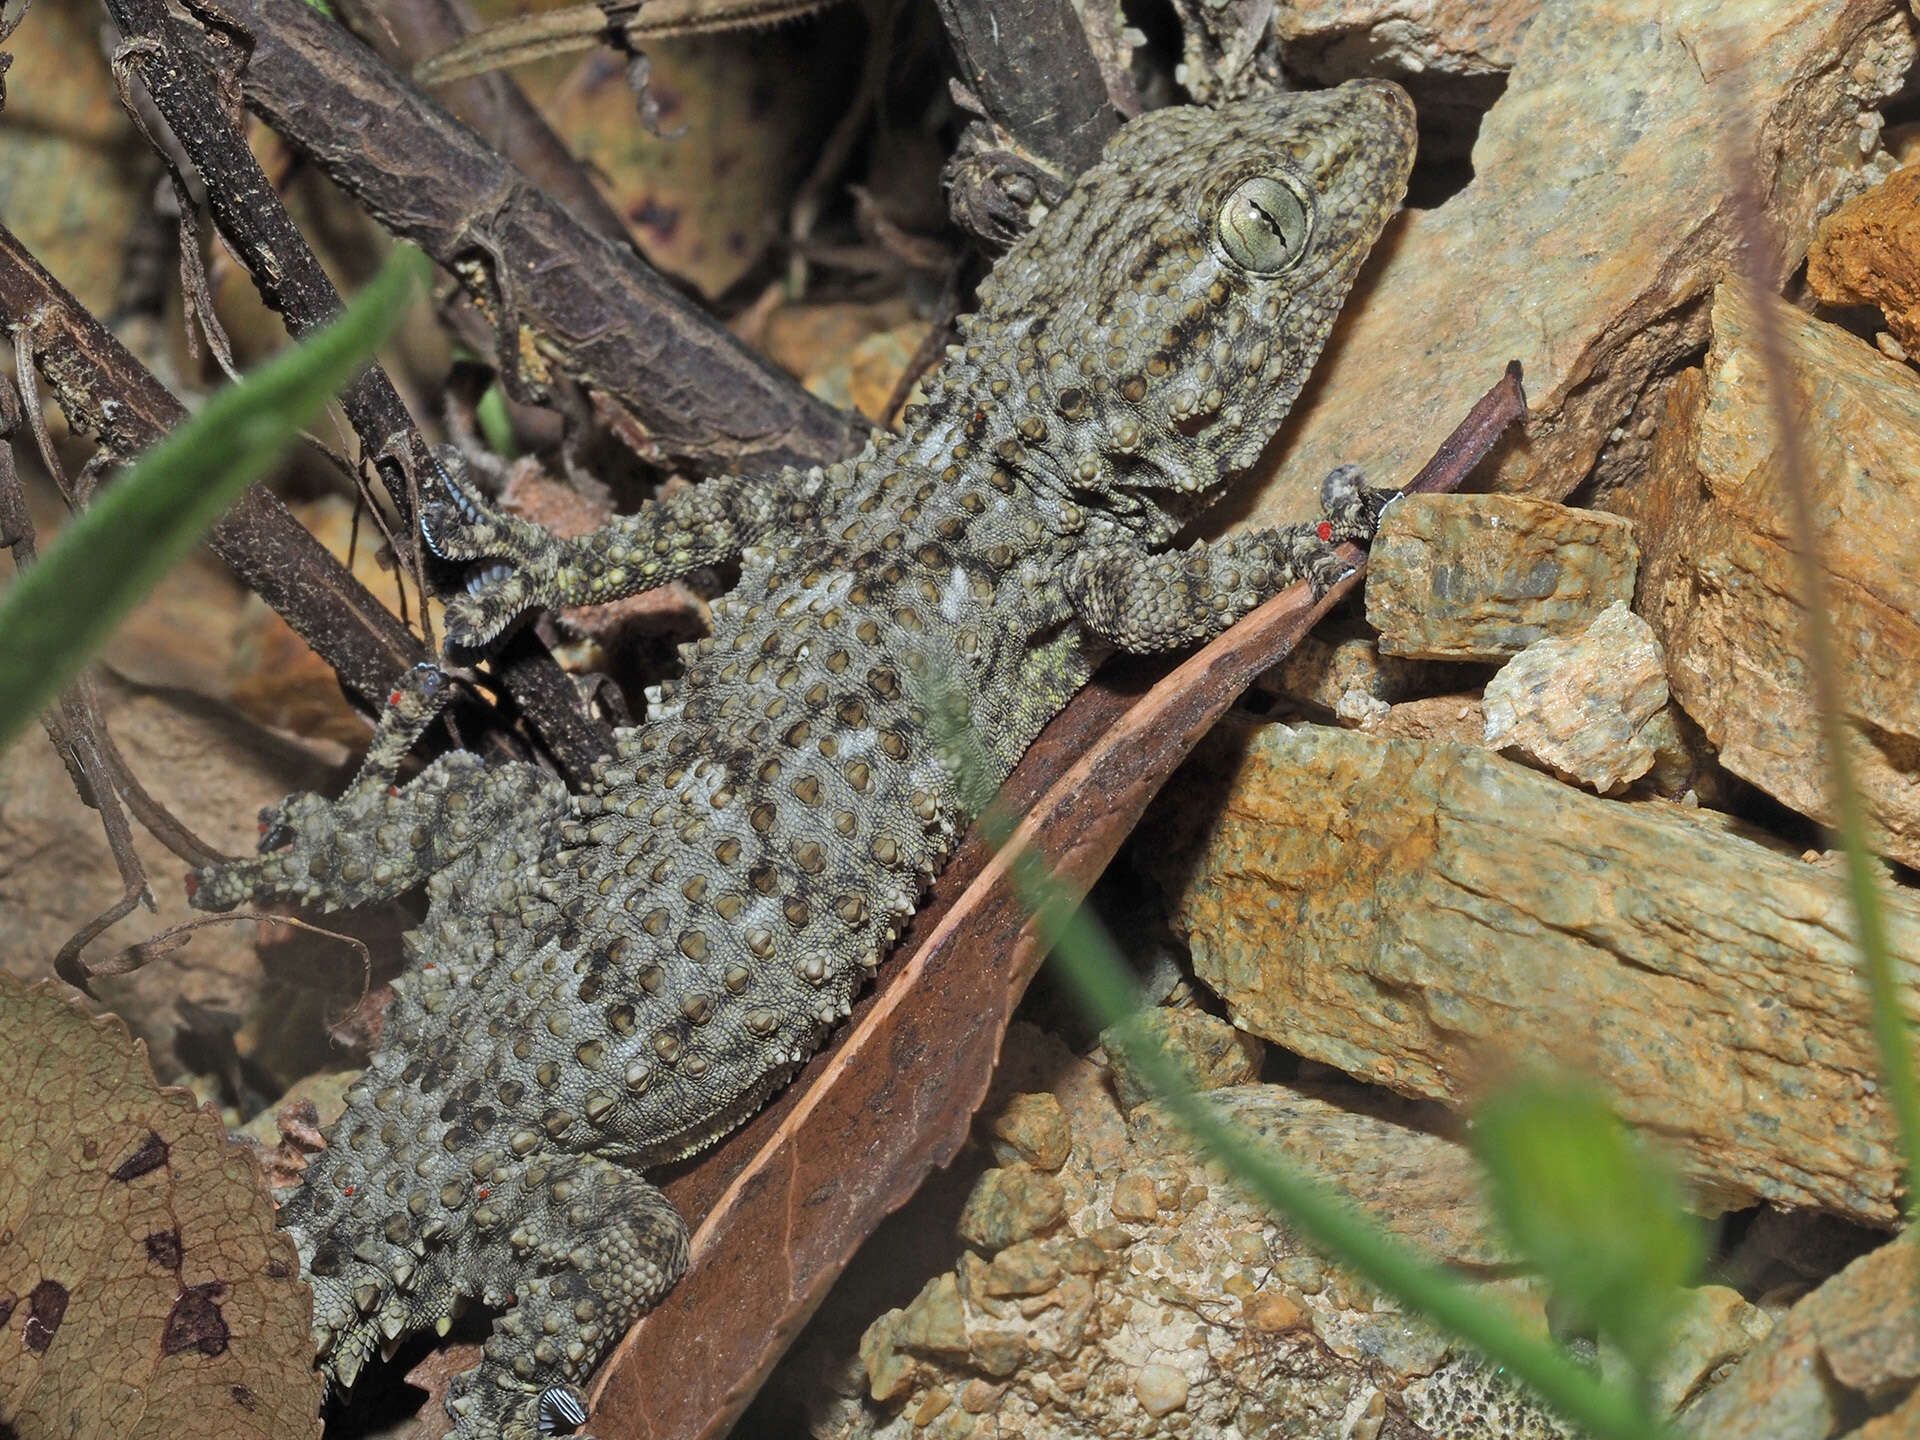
<point>73,723</point>
<point>563,301</point>
<point>107,393</point>
<point>1031,68</point>
<point>186,90</point>
<point>172,63</point>
<point>494,105</point>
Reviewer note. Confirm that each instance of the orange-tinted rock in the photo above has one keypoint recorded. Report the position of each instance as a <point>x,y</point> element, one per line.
<point>1419,914</point>
<point>1868,253</point>
<point>1720,587</point>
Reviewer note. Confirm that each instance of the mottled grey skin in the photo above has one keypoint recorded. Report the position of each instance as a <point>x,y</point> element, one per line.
<point>609,980</point>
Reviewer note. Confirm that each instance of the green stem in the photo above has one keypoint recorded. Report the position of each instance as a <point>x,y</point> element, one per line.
<point>1334,1226</point>
<point>56,613</point>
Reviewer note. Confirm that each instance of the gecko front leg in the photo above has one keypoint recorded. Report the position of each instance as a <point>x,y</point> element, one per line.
<point>1141,600</point>
<point>527,566</point>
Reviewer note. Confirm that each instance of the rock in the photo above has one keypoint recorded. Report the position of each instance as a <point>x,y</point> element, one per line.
<point>1715,1328</point>
<point>931,1324</point>
<point>1032,1128</point>
<point>1781,1255</point>
<point>1028,1267</point>
<point>1214,1319</point>
<point>1353,681</point>
<point>1481,577</point>
<point>1868,253</point>
<point>1134,1198</point>
<point>66,186</point>
<point>1161,1390</point>
<point>287,1133</point>
<point>1579,706</point>
<point>1685,766</point>
<point>1009,1204</point>
<point>1033,1062</point>
<point>1402,37</point>
<point>1900,1423</point>
<point>1457,718</point>
<point>1207,1048</point>
<point>1719,583</point>
<point>929,1408</point>
<point>1851,1344</point>
<point>1425,1189</point>
<point>1272,1311</point>
<point>979,1397</point>
<point>1413,913</point>
<point>1452,55</point>
<point>850,354</point>
<point>1590,236</point>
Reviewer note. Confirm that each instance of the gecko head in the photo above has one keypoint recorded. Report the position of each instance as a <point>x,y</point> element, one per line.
<point>1162,319</point>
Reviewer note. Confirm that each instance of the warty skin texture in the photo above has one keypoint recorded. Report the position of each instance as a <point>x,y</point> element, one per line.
<point>608,980</point>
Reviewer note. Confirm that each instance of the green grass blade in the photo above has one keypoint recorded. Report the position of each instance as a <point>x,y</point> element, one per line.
<point>1088,962</point>
<point>56,613</point>
<point>1086,958</point>
<point>1599,1216</point>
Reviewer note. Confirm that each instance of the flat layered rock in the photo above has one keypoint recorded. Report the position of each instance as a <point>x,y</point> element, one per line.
<point>1419,914</point>
<point>1481,577</point>
<point>1838,1353</point>
<point>1719,580</point>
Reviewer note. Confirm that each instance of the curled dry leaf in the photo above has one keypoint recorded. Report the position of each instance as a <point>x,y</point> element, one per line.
<point>144,1291</point>
<point>791,1195</point>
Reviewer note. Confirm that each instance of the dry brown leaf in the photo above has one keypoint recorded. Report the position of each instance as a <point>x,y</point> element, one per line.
<point>144,1291</point>
<point>69,187</point>
<point>742,116</point>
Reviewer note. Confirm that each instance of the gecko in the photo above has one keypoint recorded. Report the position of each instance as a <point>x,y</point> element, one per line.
<point>610,979</point>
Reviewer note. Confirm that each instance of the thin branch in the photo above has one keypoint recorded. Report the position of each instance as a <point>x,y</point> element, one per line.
<point>107,393</point>
<point>494,105</point>
<point>171,61</point>
<point>669,379</point>
<point>74,725</point>
<point>186,91</point>
<point>1028,62</point>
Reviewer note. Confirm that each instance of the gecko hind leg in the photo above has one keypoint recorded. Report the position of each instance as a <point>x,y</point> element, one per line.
<point>605,1246</point>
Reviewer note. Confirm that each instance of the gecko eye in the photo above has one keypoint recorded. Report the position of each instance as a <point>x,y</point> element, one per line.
<point>1263,224</point>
